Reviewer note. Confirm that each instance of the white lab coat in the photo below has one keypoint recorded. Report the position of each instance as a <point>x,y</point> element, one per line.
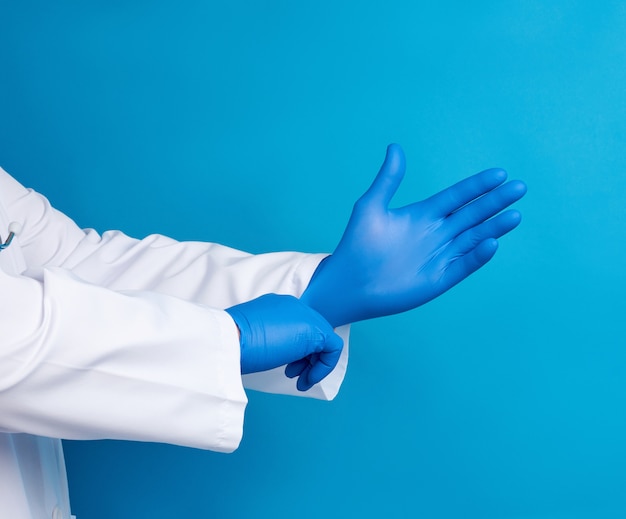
<point>112,337</point>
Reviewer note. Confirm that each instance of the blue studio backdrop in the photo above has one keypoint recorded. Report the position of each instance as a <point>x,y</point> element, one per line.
<point>257,124</point>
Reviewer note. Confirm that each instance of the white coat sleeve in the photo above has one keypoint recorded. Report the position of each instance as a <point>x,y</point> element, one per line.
<point>204,273</point>
<point>80,361</point>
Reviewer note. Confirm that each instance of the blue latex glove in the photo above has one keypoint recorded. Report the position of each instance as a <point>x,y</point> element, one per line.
<point>392,260</point>
<point>276,330</point>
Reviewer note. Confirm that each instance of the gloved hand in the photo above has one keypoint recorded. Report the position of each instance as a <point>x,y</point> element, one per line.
<point>276,330</point>
<point>392,260</point>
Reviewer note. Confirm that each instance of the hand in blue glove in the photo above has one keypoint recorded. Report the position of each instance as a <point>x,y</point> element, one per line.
<point>392,260</point>
<point>276,330</point>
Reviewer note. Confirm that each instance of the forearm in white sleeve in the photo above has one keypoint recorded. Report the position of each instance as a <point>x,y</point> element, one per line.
<point>207,273</point>
<point>200,272</point>
<point>80,361</point>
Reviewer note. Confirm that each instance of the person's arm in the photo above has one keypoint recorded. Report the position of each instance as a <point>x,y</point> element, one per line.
<point>203,273</point>
<point>206,273</point>
<point>84,362</point>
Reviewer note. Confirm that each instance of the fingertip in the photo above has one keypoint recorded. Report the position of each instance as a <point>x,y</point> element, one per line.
<point>394,147</point>
<point>292,370</point>
<point>491,243</point>
<point>395,156</point>
<point>520,187</point>
<point>486,250</point>
<point>496,175</point>
<point>387,180</point>
<point>303,383</point>
<point>515,218</point>
<point>485,181</point>
<point>505,222</point>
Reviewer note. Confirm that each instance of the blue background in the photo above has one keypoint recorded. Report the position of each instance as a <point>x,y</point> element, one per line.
<point>257,124</point>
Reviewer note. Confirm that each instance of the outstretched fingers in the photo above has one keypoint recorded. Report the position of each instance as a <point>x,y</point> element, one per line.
<point>453,198</point>
<point>485,207</point>
<point>473,248</point>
